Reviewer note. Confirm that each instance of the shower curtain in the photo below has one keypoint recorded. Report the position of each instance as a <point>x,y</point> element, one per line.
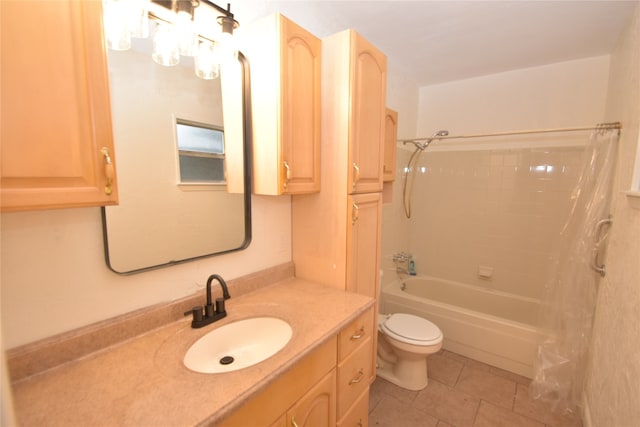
<point>568,304</point>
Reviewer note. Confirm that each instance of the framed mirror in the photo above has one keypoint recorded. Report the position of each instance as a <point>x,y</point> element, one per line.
<point>163,219</point>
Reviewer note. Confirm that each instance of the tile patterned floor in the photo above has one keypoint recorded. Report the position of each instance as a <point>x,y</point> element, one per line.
<point>462,392</point>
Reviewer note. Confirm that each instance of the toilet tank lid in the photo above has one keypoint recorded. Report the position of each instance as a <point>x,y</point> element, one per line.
<point>412,327</point>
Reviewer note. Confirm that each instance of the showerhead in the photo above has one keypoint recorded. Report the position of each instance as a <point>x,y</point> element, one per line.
<point>436,135</point>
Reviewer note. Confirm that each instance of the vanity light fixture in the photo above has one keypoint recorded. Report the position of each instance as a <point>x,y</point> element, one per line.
<point>176,31</point>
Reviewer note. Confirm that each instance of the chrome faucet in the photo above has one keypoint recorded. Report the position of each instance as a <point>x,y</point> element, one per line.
<point>211,313</point>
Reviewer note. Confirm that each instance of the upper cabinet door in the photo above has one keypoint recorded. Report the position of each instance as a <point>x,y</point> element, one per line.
<point>285,62</point>
<point>390,143</point>
<point>57,144</point>
<point>368,90</point>
<point>301,71</point>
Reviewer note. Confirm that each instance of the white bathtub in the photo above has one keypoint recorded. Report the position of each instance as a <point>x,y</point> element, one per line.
<point>485,325</point>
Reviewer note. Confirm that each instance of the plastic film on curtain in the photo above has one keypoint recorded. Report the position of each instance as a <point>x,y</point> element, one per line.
<point>568,303</point>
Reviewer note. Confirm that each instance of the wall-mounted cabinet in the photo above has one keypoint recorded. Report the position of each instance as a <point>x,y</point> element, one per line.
<point>390,145</point>
<point>285,92</point>
<point>57,143</point>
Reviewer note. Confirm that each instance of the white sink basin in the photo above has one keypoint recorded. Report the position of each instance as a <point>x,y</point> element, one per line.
<point>237,345</point>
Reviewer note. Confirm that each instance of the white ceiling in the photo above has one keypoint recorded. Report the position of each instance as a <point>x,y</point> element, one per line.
<point>439,41</point>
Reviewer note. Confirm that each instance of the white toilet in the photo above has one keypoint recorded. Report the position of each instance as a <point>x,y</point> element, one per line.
<point>404,342</point>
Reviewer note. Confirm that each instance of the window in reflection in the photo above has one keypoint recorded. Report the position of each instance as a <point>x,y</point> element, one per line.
<point>200,153</point>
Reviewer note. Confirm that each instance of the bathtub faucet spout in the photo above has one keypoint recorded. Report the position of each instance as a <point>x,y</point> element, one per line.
<point>401,270</point>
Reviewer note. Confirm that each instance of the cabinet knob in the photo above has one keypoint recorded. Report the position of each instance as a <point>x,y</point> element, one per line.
<point>293,422</point>
<point>108,171</point>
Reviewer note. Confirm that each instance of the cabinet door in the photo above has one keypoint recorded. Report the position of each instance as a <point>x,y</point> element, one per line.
<point>56,116</point>
<point>286,65</point>
<point>390,143</point>
<point>366,139</point>
<point>363,240</point>
<point>301,68</point>
<point>317,408</point>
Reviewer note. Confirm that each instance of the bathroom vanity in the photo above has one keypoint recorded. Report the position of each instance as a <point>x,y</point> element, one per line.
<point>143,381</point>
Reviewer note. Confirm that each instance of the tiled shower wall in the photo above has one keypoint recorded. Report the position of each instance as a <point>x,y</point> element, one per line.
<point>498,208</point>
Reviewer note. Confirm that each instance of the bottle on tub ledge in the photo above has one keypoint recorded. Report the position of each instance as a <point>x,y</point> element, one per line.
<point>412,268</point>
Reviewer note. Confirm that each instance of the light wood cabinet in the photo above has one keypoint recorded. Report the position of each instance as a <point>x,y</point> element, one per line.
<point>367,96</point>
<point>57,143</point>
<point>390,145</point>
<point>328,387</point>
<point>363,243</point>
<point>336,232</point>
<point>317,408</point>
<point>306,392</point>
<point>358,414</point>
<point>355,364</point>
<point>322,222</point>
<point>285,91</point>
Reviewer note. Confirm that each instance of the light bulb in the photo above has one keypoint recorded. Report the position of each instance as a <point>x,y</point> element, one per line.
<point>116,24</point>
<point>207,61</point>
<point>228,50</point>
<point>186,34</point>
<point>165,45</point>
<point>139,18</point>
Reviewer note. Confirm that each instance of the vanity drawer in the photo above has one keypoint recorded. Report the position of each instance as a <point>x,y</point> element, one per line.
<point>353,376</point>
<point>355,334</point>
<point>358,414</point>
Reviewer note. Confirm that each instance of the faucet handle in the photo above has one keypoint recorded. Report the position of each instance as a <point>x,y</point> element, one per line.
<point>196,312</point>
<point>220,306</point>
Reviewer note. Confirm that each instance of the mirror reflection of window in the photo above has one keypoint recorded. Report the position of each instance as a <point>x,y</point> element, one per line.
<point>200,153</point>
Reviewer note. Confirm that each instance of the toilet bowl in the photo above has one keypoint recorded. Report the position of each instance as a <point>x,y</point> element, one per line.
<point>404,342</point>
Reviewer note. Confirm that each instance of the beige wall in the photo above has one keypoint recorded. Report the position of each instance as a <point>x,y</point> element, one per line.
<point>54,277</point>
<point>569,93</point>
<point>613,382</point>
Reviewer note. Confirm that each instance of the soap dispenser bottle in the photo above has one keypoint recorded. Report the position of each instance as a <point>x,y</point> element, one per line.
<point>412,268</point>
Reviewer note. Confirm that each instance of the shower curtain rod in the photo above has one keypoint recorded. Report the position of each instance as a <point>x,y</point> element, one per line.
<point>599,127</point>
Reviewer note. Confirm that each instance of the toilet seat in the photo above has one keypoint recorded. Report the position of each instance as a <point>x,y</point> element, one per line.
<point>411,329</point>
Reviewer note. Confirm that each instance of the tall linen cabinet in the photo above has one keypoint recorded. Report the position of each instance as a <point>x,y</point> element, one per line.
<point>336,232</point>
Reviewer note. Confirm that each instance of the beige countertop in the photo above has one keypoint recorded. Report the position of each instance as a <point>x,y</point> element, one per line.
<point>143,382</point>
